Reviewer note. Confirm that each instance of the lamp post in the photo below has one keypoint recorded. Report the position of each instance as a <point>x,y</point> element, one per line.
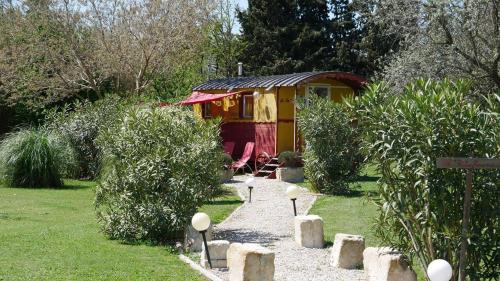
<point>439,270</point>
<point>249,182</point>
<point>201,222</point>
<point>292,192</point>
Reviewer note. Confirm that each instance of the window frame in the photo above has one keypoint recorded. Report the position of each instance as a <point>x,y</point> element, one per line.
<point>207,110</point>
<point>243,103</point>
<point>311,86</point>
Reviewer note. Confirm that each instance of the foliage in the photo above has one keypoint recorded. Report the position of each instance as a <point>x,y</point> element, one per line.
<point>81,124</point>
<point>227,160</point>
<point>420,205</point>
<point>439,39</point>
<point>161,164</point>
<point>51,51</point>
<point>331,158</point>
<point>35,158</point>
<point>223,46</point>
<point>268,29</point>
<point>290,159</point>
<point>288,36</point>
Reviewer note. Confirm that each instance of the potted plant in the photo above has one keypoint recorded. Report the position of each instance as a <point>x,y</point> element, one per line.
<point>291,167</point>
<point>227,171</point>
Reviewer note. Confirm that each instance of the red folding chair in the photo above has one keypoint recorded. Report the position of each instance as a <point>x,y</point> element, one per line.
<point>229,147</point>
<point>247,154</point>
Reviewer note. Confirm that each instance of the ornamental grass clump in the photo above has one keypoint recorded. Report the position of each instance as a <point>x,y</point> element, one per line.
<point>420,205</point>
<point>81,124</point>
<point>36,158</point>
<point>160,165</point>
<point>332,158</point>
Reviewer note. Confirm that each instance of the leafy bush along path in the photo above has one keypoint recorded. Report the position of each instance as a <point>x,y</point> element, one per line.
<point>49,234</point>
<point>268,221</point>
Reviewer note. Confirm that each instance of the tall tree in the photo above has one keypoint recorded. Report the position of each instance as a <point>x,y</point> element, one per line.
<point>312,45</point>
<point>268,30</point>
<point>448,38</point>
<point>344,35</point>
<point>224,47</point>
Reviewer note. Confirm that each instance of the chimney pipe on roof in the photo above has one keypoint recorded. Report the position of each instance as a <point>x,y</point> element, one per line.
<point>240,69</point>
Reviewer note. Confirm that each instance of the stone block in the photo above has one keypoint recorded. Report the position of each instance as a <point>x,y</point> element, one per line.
<point>250,262</point>
<point>193,240</point>
<point>386,264</point>
<point>218,254</point>
<point>347,251</point>
<point>309,231</point>
<point>289,174</point>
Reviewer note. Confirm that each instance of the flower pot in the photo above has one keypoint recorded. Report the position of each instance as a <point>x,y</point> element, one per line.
<point>289,174</point>
<point>226,175</point>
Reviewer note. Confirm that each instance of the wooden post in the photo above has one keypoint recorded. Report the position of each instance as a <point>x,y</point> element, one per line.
<point>469,164</point>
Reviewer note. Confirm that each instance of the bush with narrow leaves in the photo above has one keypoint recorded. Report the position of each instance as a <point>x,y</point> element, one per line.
<point>420,205</point>
<point>332,159</point>
<point>36,158</point>
<point>81,124</point>
<point>160,165</point>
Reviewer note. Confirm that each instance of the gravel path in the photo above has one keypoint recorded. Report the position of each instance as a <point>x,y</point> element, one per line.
<point>268,221</point>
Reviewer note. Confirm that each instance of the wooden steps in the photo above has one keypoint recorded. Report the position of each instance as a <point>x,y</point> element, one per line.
<point>269,169</point>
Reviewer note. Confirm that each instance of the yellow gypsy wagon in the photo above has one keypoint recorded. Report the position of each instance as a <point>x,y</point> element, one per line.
<point>261,110</point>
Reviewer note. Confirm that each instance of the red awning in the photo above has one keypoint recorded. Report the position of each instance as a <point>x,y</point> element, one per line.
<point>199,97</point>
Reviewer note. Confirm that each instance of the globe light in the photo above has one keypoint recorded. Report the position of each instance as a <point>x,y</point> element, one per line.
<point>249,181</point>
<point>256,94</point>
<point>200,221</point>
<point>292,192</point>
<point>439,270</point>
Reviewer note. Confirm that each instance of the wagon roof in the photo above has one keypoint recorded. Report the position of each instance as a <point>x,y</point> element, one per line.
<point>283,80</point>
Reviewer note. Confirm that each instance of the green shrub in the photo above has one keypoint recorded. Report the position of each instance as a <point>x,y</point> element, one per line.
<point>81,124</point>
<point>420,205</point>
<point>160,165</point>
<point>35,158</point>
<point>290,159</point>
<point>331,157</point>
<point>227,160</point>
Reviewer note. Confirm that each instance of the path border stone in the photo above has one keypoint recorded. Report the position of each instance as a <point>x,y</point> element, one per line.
<point>205,272</point>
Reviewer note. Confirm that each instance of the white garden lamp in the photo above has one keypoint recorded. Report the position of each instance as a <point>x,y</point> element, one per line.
<point>292,192</point>
<point>249,182</point>
<point>439,270</point>
<point>201,222</point>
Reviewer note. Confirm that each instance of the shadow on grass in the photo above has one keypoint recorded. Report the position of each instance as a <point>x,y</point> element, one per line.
<point>224,202</point>
<point>368,178</point>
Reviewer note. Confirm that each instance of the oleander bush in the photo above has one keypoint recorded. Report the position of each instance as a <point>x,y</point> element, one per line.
<point>36,158</point>
<point>159,166</point>
<point>227,161</point>
<point>332,158</point>
<point>420,205</point>
<point>81,123</point>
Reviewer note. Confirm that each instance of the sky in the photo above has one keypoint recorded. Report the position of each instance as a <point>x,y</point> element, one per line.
<point>243,4</point>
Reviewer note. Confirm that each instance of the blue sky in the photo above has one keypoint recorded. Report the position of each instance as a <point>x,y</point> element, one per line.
<point>243,4</point>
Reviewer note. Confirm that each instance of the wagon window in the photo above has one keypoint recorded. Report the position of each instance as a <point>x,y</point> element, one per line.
<point>207,110</point>
<point>320,90</point>
<point>247,106</point>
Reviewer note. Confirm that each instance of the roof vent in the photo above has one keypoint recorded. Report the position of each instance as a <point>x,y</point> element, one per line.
<point>240,69</point>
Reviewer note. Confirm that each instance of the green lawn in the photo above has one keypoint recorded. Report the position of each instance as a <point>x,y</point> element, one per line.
<point>222,206</point>
<point>52,234</point>
<point>353,214</point>
<point>350,214</point>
